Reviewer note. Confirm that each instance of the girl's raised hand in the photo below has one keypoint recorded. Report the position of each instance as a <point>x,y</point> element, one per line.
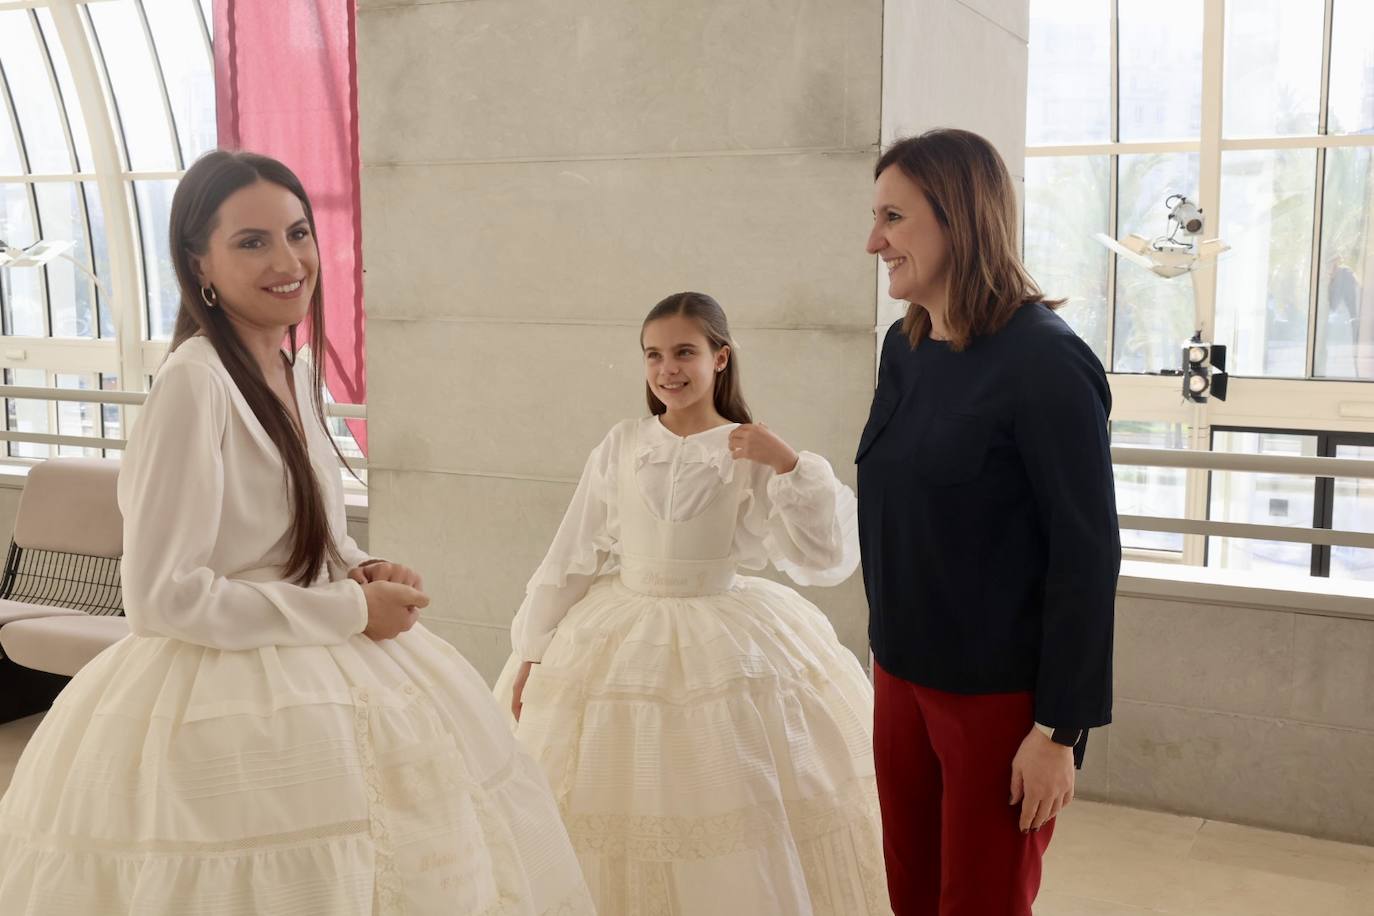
<point>756,442</point>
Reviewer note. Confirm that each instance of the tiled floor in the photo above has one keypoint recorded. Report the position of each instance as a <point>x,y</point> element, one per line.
<point>1111,861</point>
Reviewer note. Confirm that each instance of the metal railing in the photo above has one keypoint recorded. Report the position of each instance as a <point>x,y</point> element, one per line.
<point>1357,468</point>
<point>124,399</point>
<point>1295,465</point>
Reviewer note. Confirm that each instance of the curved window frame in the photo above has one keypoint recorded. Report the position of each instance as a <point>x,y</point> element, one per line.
<point>107,186</point>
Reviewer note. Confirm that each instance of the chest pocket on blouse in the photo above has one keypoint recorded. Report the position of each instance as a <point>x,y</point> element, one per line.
<point>878,416</point>
<point>953,449</point>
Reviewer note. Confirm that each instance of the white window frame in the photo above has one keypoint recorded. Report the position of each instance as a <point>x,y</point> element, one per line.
<point>129,355</point>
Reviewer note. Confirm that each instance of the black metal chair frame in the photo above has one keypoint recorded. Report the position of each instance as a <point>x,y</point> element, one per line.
<point>54,579</point>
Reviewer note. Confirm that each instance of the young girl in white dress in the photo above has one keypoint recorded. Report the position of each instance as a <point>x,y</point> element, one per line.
<point>706,735</point>
<point>278,736</point>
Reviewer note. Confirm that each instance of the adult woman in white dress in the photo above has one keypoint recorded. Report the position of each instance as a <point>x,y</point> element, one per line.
<point>279,735</point>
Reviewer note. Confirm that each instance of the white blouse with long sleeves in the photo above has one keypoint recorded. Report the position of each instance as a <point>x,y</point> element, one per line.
<point>207,518</point>
<point>803,522</point>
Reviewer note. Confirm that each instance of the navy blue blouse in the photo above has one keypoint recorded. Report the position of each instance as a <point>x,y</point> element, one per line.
<point>987,517</point>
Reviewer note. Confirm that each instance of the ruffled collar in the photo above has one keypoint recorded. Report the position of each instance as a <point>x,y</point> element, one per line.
<point>658,445</point>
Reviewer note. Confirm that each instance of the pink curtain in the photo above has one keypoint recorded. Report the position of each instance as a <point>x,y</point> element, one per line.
<point>286,86</point>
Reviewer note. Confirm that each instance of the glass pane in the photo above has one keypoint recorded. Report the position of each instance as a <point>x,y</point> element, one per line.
<point>69,288</point>
<point>1160,70</point>
<point>1353,510</point>
<point>1262,499</point>
<point>1067,201</point>
<point>112,422</point>
<point>1070,82</point>
<point>188,72</point>
<point>76,121</point>
<point>26,70</point>
<point>154,210</point>
<point>1154,314</point>
<point>101,247</point>
<point>1159,492</point>
<point>1273,68</point>
<point>26,415</point>
<point>138,97</point>
<point>1264,281</point>
<point>1345,290</point>
<point>75,418</point>
<point>1350,107</point>
<point>10,162</point>
<point>21,288</point>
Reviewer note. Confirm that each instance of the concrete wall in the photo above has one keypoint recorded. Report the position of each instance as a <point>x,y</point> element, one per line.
<point>955,63</point>
<point>1258,710</point>
<point>535,177</point>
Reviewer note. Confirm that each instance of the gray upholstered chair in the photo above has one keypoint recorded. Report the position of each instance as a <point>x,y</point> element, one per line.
<point>60,598</point>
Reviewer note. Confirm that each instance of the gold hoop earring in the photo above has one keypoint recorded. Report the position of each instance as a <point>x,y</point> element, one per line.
<point>209,296</point>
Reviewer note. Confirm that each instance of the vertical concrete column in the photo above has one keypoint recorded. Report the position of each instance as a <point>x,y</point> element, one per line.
<point>536,176</point>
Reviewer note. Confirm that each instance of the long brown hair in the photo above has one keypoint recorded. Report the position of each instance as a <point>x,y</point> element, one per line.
<point>727,394</point>
<point>967,184</point>
<point>195,214</point>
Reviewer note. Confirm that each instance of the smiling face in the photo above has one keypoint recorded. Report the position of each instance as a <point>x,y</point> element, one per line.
<point>909,238</point>
<point>261,257</point>
<point>678,362</point>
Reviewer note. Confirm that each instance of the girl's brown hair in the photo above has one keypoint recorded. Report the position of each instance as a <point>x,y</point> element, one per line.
<point>710,317</point>
<point>195,214</point>
<point>967,184</point>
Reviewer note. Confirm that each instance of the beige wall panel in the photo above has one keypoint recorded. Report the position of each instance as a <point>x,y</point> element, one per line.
<point>1226,659</point>
<point>571,78</point>
<point>482,537</point>
<point>533,400</point>
<point>518,400</point>
<point>946,64</point>
<point>779,240</point>
<point>1247,769</point>
<point>1012,15</point>
<point>1334,671</point>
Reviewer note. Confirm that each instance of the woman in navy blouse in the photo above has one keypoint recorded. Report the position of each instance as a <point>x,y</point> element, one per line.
<point>991,550</point>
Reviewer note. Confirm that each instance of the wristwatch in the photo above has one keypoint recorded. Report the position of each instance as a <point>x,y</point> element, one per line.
<point>1068,737</point>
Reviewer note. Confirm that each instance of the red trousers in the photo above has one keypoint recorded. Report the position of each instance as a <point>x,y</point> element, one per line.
<point>952,842</point>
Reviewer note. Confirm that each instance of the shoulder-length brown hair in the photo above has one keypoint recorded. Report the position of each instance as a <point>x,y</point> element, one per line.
<point>727,395</point>
<point>195,214</point>
<point>967,184</point>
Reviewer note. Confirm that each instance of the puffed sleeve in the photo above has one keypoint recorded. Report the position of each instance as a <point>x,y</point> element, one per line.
<point>807,521</point>
<point>171,488</point>
<point>585,540</point>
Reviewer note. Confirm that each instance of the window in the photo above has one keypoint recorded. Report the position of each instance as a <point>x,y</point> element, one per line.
<point>1263,499</point>
<point>1151,491</point>
<point>102,107</point>
<point>1352,509</point>
<point>1261,112</point>
<point>1343,504</point>
<point>1282,168</point>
